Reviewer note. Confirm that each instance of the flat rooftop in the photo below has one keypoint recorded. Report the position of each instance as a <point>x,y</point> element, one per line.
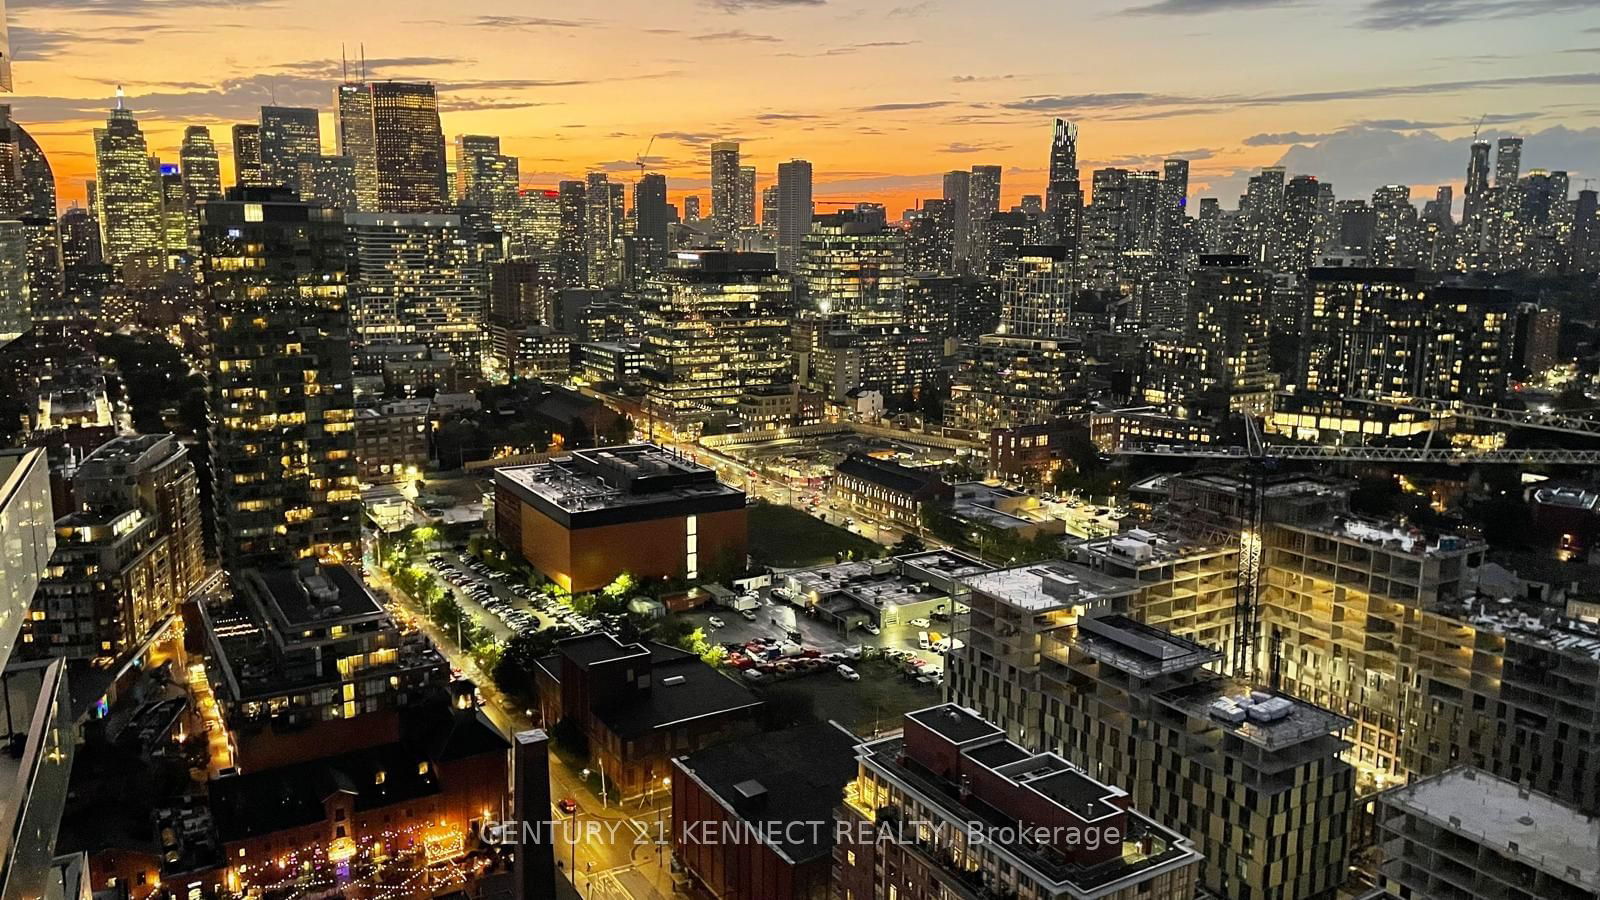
<point>613,477</point>
<point>328,594</point>
<point>1303,721</point>
<point>1530,623</point>
<point>1144,546</point>
<point>954,723</point>
<point>1138,649</point>
<point>1389,535</point>
<point>1041,587</point>
<point>1546,833</point>
<point>876,583</point>
<point>794,775</point>
<point>945,563</point>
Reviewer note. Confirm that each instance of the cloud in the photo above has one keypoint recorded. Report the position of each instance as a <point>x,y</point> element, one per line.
<point>970,79</point>
<point>1389,15</point>
<point>742,5</point>
<point>1284,137</point>
<point>1202,7</point>
<point>134,7</point>
<point>1142,160</point>
<point>376,67</point>
<point>785,117</point>
<point>528,22</point>
<point>1358,159</point>
<point>1066,103</point>
<point>692,138</point>
<point>910,11</point>
<point>960,147</point>
<point>898,107</point>
<point>869,45</point>
<point>34,44</point>
<point>738,35</point>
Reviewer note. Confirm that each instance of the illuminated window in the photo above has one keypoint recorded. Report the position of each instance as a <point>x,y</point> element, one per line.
<point>252,212</point>
<point>379,778</point>
<point>691,558</point>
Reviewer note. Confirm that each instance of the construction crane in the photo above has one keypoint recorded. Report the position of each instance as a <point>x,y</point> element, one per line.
<point>1516,418</point>
<point>640,159</point>
<point>1258,455</point>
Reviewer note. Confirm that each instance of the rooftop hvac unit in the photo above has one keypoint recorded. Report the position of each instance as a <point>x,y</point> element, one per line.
<point>1227,711</point>
<point>1271,710</point>
<point>1136,550</point>
<point>1062,587</point>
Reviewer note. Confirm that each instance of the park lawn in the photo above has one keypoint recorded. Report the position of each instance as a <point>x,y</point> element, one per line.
<point>785,537</point>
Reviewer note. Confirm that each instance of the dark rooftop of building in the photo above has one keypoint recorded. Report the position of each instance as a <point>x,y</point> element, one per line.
<point>1138,649</point>
<point>303,596</point>
<point>890,475</point>
<point>680,687</point>
<point>954,724</point>
<point>795,775</point>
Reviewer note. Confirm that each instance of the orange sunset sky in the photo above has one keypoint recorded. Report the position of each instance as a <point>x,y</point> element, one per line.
<point>881,96</point>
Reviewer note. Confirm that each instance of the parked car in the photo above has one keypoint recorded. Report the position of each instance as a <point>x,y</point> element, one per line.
<point>922,641</point>
<point>919,623</point>
<point>753,674</point>
<point>870,628</point>
<point>848,674</point>
<point>716,622</point>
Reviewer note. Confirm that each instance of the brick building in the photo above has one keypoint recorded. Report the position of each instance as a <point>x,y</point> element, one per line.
<point>586,518</point>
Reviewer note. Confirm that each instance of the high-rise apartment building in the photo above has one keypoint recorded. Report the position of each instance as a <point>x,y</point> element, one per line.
<point>289,135</point>
<point>329,181</point>
<point>691,208</point>
<point>355,138</point>
<point>572,238</point>
<point>716,326</point>
<point>414,280</point>
<point>744,201</point>
<point>1227,318</point>
<point>603,227</point>
<point>651,218</point>
<point>1036,292</point>
<point>958,211</point>
<point>41,726</point>
<point>198,164</point>
<point>983,201</point>
<point>408,148</point>
<point>281,392</point>
<point>794,209</point>
<point>16,305</point>
<point>110,587</point>
<point>725,186</point>
<point>247,156</point>
<point>127,196</point>
<point>1063,196</point>
<point>488,180</point>
<point>851,264</point>
<point>153,473</point>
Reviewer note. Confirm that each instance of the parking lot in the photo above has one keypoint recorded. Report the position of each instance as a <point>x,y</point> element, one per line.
<point>501,603</point>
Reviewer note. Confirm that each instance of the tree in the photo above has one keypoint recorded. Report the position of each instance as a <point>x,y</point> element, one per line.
<point>909,543</point>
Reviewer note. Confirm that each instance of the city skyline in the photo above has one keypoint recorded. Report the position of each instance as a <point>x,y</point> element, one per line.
<point>949,99</point>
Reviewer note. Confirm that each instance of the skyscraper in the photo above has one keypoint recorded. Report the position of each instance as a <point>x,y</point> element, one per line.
<point>794,209</point>
<point>408,148</point>
<point>201,171</point>
<point>352,113</point>
<point>745,200</point>
<point>651,217</point>
<point>603,211</point>
<point>958,210</point>
<point>983,201</point>
<point>247,156</point>
<point>572,266</point>
<point>174,212</point>
<point>1063,197</point>
<point>691,208</point>
<point>852,266</point>
<point>329,181</point>
<point>413,280</point>
<point>281,391</point>
<point>488,180</point>
<point>28,194</point>
<point>725,185</point>
<point>128,203</point>
<point>289,134</point>
<point>1394,227</point>
<point>1035,292</point>
<point>1173,211</point>
<point>16,310</point>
